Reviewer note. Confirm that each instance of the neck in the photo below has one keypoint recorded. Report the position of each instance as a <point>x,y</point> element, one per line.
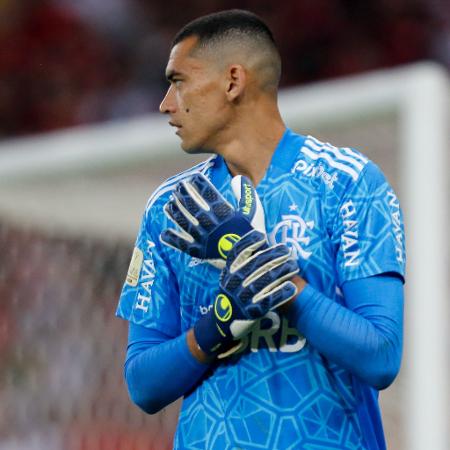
<point>251,140</point>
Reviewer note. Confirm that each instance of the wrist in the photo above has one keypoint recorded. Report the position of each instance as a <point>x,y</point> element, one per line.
<point>196,350</point>
<point>300,285</point>
<point>209,337</point>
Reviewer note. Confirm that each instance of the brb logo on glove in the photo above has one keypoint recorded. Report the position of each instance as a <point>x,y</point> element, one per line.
<point>226,243</point>
<point>222,308</point>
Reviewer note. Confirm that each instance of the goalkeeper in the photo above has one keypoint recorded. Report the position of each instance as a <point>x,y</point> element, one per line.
<point>276,312</point>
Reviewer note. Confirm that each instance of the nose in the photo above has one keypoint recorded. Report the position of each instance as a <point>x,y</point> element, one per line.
<point>167,105</point>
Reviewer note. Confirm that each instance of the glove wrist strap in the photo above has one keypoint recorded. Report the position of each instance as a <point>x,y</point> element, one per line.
<point>207,334</point>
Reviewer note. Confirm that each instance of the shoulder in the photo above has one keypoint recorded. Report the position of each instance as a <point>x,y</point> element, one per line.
<point>329,164</point>
<point>335,170</point>
<point>162,193</point>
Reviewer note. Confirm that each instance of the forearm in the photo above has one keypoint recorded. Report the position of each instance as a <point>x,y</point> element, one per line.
<point>159,373</point>
<point>366,340</point>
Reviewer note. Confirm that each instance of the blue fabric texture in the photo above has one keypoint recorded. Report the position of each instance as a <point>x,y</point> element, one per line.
<point>290,385</point>
<point>152,361</point>
<point>365,337</point>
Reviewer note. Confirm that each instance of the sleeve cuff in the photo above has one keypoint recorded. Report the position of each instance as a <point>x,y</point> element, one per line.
<point>306,296</point>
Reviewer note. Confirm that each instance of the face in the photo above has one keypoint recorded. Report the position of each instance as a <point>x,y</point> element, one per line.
<point>195,101</point>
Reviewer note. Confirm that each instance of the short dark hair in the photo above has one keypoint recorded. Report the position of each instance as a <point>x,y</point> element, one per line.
<point>216,25</point>
<point>237,25</point>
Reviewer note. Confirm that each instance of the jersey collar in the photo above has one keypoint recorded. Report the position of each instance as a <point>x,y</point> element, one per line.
<point>286,151</point>
<point>282,160</point>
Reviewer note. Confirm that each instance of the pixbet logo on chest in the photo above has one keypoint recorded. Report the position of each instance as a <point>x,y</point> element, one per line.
<point>315,171</point>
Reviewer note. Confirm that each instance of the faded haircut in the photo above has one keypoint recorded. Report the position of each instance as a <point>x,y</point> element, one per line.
<point>237,30</point>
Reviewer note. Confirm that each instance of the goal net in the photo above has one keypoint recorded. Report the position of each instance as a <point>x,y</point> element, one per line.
<point>70,207</point>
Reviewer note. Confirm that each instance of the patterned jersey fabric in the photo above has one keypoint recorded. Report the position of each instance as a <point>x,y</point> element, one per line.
<point>337,212</point>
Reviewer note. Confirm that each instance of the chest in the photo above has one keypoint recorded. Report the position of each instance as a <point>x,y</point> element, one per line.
<point>292,216</point>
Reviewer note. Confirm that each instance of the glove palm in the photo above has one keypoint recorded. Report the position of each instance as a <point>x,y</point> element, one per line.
<point>208,224</point>
<point>254,281</point>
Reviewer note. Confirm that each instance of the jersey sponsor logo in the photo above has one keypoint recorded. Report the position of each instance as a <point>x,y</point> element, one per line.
<point>147,278</point>
<point>205,309</point>
<point>226,243</point>
<point>349,237</point>
<point>289,340</point>
<point>397,229</point>
<point>223,308</point>
<point>315,171</point>
<point>264,330</point>
<point>292,231</point>
<point>134,268</point>
<point>196,262</point>
<point>343,159</point>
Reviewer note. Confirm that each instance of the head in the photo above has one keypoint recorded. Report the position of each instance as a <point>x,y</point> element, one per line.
<point>219,65</point>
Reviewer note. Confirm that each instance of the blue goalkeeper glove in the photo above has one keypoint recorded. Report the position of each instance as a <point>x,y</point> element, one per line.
<point>208,225</point>
<point>254,281</point>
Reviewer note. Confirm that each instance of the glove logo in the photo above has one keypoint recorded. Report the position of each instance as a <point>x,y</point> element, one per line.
<point>248,199</point>
<point>226,243</point>
<point>222,308</point>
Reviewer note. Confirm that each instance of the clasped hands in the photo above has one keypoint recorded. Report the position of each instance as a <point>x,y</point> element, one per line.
<point>255,278</point>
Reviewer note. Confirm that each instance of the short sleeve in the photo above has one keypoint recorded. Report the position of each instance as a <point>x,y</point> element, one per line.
<point>150,295</point>
<point>368,230</point>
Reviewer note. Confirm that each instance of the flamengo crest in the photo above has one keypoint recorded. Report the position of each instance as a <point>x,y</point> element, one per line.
<point>292,231</point>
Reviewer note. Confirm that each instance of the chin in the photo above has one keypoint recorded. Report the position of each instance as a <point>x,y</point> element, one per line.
<point>193,149</point>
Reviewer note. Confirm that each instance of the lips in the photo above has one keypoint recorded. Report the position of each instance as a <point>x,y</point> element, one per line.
<point>177,126</point>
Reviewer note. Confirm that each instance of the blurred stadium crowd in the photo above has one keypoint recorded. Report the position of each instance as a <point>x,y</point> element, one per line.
<point>66,62</point>
<point>61,384</point>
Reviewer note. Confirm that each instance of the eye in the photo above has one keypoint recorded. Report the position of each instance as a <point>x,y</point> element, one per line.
<point>177,83</point>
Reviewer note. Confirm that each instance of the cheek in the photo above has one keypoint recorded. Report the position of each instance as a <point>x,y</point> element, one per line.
<point>211,107</point>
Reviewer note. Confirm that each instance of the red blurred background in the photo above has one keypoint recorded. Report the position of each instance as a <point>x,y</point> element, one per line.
<point>64,63</point>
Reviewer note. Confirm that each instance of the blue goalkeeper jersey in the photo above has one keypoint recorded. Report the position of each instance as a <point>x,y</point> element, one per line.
<point>342,219</point>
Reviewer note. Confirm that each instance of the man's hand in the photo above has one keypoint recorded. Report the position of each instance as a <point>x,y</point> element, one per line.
<point>209,225</point>
<point>255,280</point>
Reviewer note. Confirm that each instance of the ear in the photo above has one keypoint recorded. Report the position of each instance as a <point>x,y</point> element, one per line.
<point>236,82</point>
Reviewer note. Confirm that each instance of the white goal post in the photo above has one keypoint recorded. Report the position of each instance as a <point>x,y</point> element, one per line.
<point>418,96</point>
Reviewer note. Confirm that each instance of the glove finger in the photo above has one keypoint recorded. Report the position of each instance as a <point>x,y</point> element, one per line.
<point>263,261</point>
<point>249,204</point>
<point>193,213</point>
<point>277,297</point>
<point>244,248</point>
<point>270,280</point>
<point>209,215</point>
<point>184,195</point>
<point>180,241</point>
<point>173,212</point>
<point>246,195</point>
<point>204,189</point>
<point>207,197</point>
<point>272,275</point>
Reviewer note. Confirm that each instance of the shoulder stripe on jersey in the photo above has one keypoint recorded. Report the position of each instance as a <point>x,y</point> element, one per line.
<point>343,159</point>
<point>321,147</point>
<point>355,154</point>
<point>170,183</point>
<point>331,162</point>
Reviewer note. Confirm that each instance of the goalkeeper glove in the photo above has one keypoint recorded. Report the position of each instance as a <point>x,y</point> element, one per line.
<point>253,282</point>
<point>209,225</point>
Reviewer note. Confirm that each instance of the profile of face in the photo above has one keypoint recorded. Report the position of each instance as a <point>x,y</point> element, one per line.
<point>196,100</point>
